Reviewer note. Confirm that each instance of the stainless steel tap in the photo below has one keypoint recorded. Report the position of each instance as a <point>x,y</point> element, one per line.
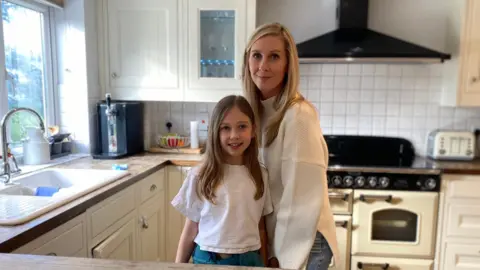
<point>3,126</point>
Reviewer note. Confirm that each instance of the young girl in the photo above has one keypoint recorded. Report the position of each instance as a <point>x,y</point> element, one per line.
<point>225,197</point>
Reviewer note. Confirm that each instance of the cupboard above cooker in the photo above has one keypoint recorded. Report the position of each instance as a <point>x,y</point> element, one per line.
<point>176,50</point>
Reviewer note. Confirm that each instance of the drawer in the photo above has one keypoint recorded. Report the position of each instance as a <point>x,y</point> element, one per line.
<point>67,240</point>
<point>464,220</point>
<point>109,211</point>
<point>371,263</point>
<point>341,200</point>
<point>462,257</point>
<point>151,185</point>
<point>463,186</point>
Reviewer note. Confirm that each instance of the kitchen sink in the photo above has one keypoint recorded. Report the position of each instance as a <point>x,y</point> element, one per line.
<point>19,203</point>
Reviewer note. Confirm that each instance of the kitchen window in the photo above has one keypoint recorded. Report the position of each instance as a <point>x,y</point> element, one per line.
<point>27,65</point>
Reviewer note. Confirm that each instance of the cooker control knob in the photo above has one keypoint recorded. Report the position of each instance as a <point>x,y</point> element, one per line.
<point>384,182</point>
<point>360,180</point>
<point>372,181</point>
<point>430,183</point>
<point>337,181</point>
<point>348,181</point>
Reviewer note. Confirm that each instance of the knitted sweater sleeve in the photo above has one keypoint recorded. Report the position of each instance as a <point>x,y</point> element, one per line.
<point>304,163</point>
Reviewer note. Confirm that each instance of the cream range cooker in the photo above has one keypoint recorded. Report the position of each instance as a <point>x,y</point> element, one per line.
<point>385,206</point>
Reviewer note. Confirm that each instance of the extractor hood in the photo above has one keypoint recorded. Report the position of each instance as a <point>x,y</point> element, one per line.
<point>352,41</point>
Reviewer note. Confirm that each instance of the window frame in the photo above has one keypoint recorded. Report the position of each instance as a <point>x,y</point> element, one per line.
<point>50,66</point>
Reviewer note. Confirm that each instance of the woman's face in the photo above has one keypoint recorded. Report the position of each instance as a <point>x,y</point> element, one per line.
<point>268,65</point>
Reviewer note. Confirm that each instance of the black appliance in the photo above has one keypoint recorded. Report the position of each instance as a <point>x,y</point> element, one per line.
<point>120,128</point>
<point>378,163</point>
<point>353,41</point>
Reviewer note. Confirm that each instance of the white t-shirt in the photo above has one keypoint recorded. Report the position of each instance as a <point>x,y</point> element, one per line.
<point>231,225</point>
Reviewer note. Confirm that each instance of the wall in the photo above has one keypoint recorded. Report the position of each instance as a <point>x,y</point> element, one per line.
<point>380,100</point>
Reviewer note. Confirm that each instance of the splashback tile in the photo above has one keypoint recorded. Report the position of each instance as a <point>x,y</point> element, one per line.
<point>354,99</point>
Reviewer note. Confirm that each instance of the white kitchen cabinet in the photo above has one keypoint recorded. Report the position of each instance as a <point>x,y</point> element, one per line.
<point>67,240</point>
<point>216,37</point>
<point>177,50</point>
<point>462,73</point>
<point>175,220</point>
<point>143,51</point>
<point>118,246</point>
<point>458,241</point>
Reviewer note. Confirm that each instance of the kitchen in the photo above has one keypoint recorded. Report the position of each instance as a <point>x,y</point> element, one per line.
<point>377,98</point>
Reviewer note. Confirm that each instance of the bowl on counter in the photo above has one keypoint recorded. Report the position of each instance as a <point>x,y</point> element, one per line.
<point>171,141</point>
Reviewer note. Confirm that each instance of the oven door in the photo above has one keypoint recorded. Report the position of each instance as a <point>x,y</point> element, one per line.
<point>394,223</point>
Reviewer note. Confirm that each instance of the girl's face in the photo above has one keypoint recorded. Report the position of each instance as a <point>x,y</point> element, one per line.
<point>236,132</point>
<point>268,65</point>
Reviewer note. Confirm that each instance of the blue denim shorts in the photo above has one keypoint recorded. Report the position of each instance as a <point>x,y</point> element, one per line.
<point>251,258</point>
<point>320,255</point>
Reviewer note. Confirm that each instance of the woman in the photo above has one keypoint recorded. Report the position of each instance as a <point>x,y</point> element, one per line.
<point>301,230</point>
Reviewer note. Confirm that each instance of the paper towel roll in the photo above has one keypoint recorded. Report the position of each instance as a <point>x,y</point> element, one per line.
<point>194,134</point>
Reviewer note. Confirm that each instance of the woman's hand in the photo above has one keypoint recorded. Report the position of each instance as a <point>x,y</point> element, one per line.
<point>273,263</point>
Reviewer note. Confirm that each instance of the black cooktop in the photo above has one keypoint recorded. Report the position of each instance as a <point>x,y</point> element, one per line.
<point>370,151</point>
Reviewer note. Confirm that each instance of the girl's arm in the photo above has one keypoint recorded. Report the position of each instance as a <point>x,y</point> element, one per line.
<point>186,244</point>
<point>263,240</point>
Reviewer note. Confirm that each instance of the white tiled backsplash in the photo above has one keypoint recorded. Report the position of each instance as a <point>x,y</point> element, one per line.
<point>354,99</point>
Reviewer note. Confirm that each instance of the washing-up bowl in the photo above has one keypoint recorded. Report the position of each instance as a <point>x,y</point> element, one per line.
<point>20,202</point>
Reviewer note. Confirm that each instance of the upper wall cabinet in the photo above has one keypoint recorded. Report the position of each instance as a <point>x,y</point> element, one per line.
<point>142,49</point>
<point>176,50</point>
<point>462,73</point>
<point>217,36</point>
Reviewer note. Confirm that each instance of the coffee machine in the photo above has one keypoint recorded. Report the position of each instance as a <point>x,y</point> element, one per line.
<point>120,129</point>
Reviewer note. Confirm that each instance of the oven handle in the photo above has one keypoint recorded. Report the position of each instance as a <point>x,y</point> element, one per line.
<point>338,195</point>
<point>383,266</point>
<point>387,198</point>
<point>340,223</point>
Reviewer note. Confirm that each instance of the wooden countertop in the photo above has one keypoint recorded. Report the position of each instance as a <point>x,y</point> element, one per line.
<point>28,262</point>
<point>139,166</point>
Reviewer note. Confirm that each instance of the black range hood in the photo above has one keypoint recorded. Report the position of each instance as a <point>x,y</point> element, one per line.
<point>354,42</point>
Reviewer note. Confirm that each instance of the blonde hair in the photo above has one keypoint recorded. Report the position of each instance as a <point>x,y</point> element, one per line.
<point>211,171</point>
<point>289,94</point>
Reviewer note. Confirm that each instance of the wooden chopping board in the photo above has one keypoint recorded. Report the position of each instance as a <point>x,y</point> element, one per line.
<point>186,150</point>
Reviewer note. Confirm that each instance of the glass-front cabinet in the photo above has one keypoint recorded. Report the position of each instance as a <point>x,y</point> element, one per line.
<point>217,35</point>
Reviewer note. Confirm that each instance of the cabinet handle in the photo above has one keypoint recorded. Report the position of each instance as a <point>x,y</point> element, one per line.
<point>153,187</point>
<point>387,198</point>
<point>341,224</point>
<point>144,223</point>
<point>52,254</point>
<point>475,79</point>
<point>383,266</point>
<point>338,195</point>
<point>114,75</point>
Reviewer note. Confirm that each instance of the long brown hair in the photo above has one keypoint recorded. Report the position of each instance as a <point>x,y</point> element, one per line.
<point>212,170</point>
<point>289,94</point>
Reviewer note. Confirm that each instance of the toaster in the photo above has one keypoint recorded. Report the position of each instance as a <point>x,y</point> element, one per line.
<point>451,145</point>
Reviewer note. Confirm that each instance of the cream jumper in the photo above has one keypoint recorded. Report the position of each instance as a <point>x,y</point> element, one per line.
<point>297,162</point>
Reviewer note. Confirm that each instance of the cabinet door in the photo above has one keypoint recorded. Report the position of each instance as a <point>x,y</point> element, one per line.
<point>462,256</point>
<point>151,229</point>
<point>217,36</point>
<point>144,49</point>
<point>470,68</point>
<point>118,246</point>
<point>174,219</point>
